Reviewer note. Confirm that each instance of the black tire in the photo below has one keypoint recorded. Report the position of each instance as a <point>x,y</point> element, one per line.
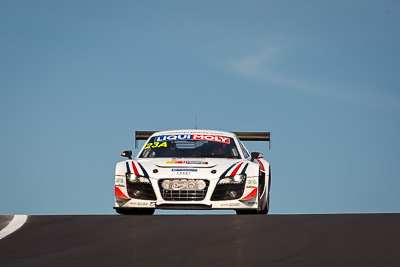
<point>134,211</point>
<point>266,209</point>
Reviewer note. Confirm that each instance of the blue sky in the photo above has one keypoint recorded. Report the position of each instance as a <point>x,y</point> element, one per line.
<point>77,78</point>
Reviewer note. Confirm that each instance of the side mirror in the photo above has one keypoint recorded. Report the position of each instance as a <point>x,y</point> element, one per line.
<point>127,154</point>
<point>256,155</point>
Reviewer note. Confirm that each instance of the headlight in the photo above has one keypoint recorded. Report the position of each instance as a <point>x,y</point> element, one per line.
<point>134,178</point>
<point>235,179</point>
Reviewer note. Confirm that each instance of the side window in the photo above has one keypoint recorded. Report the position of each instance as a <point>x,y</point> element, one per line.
<point>244,150</point>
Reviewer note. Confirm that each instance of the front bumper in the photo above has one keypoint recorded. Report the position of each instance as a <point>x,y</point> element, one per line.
<point>214,196</point>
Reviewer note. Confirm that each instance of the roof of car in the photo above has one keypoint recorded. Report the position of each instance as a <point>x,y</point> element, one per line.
<point>194,131</point>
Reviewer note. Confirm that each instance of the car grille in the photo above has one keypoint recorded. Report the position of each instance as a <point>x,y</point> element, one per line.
<point>183,194</point>
<point>141,190</point>
<point>223,192</point>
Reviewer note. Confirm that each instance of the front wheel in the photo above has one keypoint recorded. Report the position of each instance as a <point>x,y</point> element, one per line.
<point>266,208</point>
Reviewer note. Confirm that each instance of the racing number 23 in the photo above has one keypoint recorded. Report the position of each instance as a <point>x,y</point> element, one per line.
<point>156,144</point>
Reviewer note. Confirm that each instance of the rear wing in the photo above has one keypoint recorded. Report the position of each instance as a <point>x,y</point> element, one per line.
<point>243,136</point>
<point>142,135</point>
<point>255,136</point>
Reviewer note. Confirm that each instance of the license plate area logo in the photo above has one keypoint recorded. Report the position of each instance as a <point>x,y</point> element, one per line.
<point>184,185</point>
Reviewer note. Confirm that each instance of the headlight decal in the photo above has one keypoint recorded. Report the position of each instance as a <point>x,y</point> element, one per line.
<point>236,169</point>
<point>235,176</point>
<point>143,170</point>
<point>128,170</point>
<point>244,169</point>
<point>227,170</point>
<point>135,169</point>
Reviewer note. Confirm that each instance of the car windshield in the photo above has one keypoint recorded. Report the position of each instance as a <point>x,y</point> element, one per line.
<point>199,146</point>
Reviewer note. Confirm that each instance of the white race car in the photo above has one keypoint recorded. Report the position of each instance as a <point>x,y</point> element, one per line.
<point>193,169</point>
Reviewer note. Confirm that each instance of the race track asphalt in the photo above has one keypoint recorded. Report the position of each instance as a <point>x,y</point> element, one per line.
<point>205,240</point>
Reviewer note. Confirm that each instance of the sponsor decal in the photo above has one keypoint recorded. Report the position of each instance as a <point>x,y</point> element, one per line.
<point>251,186</point>
<point>173,137</point>
<point>187,162</point>
<point>220,139</point>
<point>230,205</point>
<point>140,203</point>
<point>187,158</point>
<point>183,173</point>
<point>120,185</point>
<point>202,137</point>
<point>119,180</point>
<point>155,145</point>
<point>184,170</point>
<point>251,181</point>
<point>251,203</point>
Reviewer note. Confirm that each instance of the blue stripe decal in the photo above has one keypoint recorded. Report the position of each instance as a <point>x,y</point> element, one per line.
<point>144,171</point>
<point>223,175</point>
<point>127,168</point>
<point>244,169</point>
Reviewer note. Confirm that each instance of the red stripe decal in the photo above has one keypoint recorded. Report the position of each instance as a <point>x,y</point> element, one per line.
<point>119,193</point>
<point>236,169</point>
<point>251,195</point>
<point>135,169</point>
<point>261,165</point>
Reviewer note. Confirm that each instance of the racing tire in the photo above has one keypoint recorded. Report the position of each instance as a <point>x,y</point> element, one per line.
<point>266,208</point>
<point>135,211</point>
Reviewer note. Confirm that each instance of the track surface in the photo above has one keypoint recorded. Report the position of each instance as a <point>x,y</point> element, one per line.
<point>205,240</point>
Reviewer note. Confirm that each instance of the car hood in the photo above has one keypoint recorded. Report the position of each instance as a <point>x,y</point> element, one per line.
<point>186,168</point>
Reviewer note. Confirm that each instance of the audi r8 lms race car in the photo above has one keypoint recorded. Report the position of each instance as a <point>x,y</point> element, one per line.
<point>193,169</point>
